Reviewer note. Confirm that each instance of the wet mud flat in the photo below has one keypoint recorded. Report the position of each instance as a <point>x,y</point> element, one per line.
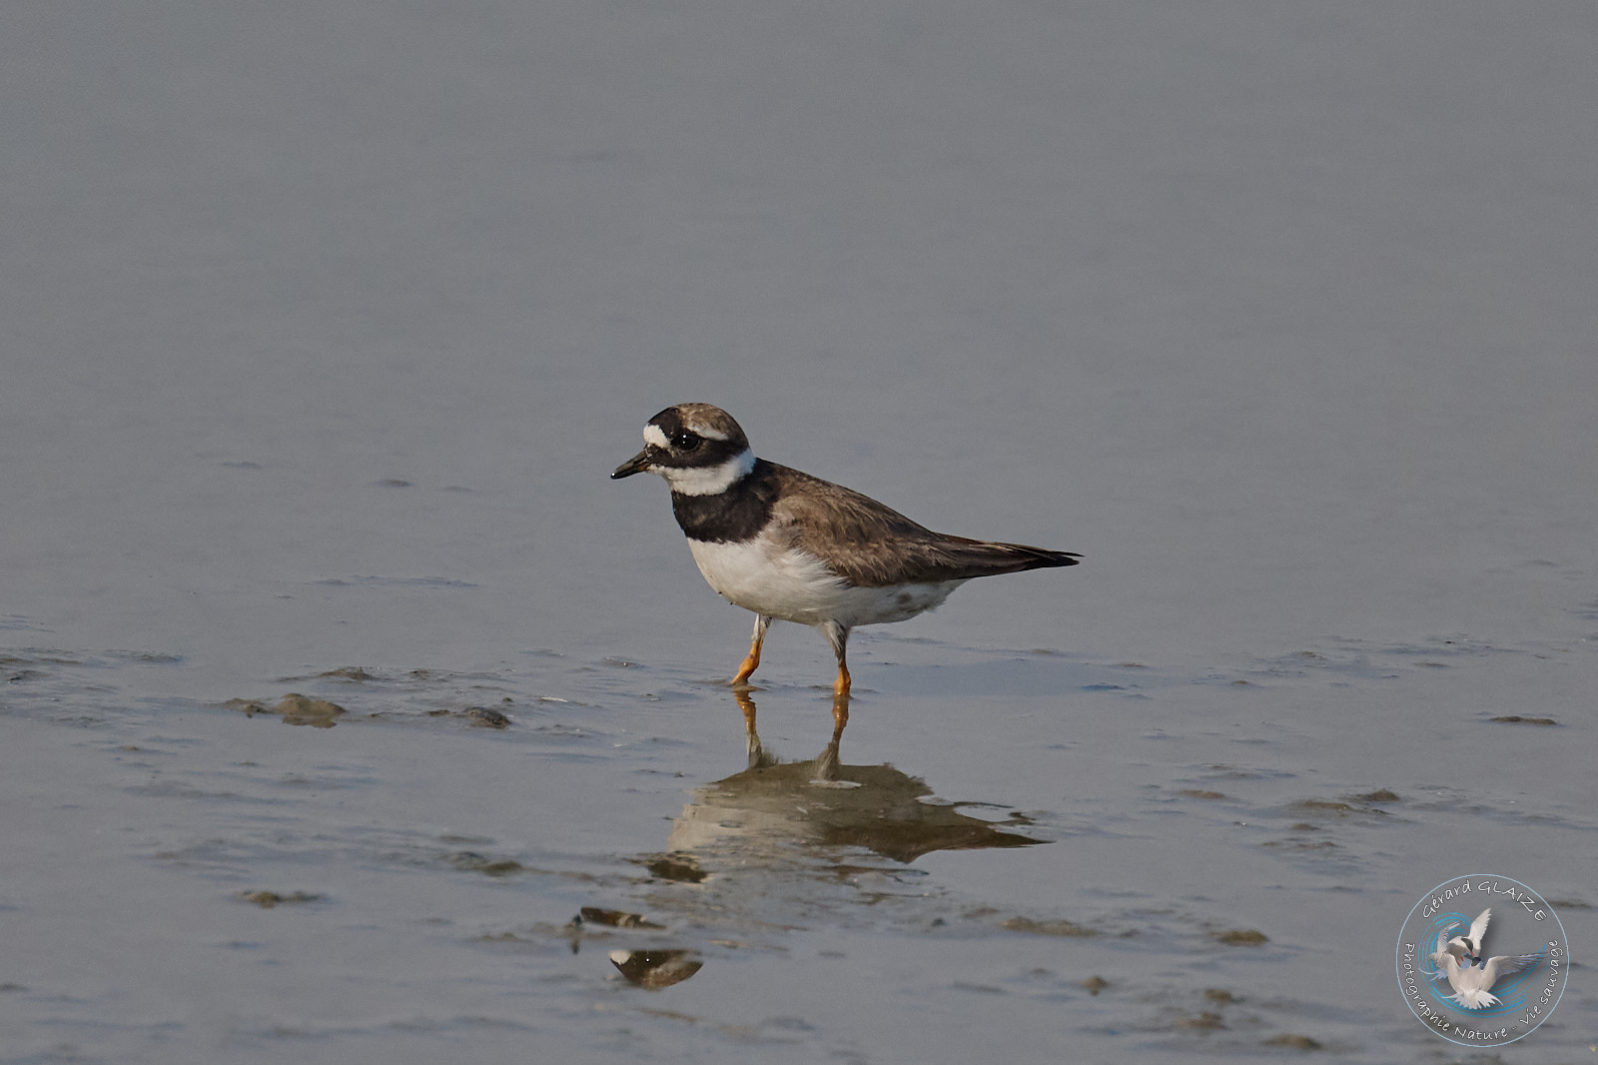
<point>1004,852</point>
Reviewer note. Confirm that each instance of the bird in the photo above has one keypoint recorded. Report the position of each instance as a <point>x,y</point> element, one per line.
<point>1455,950</point>
<point>1478,931</point>
<point>1469,973</point>
<point>792,547</point>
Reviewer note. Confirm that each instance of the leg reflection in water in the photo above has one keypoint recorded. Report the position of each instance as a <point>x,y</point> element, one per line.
<point>826,762</point>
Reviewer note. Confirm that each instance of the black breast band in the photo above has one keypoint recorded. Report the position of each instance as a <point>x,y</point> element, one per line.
<point>732,516</point>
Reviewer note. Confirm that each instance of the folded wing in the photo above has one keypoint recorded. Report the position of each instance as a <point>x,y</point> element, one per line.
<point>871,545</point>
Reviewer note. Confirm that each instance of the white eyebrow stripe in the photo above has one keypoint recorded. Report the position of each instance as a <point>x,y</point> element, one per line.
<point>655,436</point>
<point>709,434</point>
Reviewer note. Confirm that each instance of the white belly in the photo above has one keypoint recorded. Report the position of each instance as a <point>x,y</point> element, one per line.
<point>794,586</point>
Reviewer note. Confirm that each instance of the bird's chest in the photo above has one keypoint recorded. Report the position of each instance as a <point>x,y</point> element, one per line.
<point>760,576</point>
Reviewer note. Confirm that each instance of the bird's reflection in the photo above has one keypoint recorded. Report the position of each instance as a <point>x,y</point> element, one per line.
<point>776,805</point>
<point>771,846</point>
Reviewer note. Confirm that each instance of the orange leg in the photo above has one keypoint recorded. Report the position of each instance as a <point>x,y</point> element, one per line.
<point>751,661</point>
<point>841,685</point>
<point>838,637</point>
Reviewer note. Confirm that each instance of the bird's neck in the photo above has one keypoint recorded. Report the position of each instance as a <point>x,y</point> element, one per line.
<point>735,514</point>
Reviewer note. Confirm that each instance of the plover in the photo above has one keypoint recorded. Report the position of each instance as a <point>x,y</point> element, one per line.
<point>790,546</point>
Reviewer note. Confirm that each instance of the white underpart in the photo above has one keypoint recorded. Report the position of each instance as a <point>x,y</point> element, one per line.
<point>783,583</point>
<point>707,480</point>
<point>1475,998</point>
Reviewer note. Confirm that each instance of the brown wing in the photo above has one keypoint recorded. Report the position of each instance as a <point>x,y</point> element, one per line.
<point>871,545</point>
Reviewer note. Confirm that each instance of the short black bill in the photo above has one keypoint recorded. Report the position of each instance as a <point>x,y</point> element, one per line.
<point>637,464</point>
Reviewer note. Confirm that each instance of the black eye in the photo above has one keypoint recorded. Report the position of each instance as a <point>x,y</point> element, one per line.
<point>686,440</point>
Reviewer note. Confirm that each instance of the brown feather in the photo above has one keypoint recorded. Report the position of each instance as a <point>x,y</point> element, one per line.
<point>871,545</point>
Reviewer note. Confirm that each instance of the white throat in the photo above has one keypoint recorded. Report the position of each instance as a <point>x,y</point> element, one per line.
<point>708,480</point>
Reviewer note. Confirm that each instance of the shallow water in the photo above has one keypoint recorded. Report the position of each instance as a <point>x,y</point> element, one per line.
<point>1046,850</point>
<point>323,333</point>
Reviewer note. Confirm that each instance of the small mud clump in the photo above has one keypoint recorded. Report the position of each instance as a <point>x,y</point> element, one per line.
<point>294,709</point>
<point>268,899</point>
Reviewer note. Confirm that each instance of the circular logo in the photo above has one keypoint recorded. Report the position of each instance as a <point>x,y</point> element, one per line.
<point>1482,960</point>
